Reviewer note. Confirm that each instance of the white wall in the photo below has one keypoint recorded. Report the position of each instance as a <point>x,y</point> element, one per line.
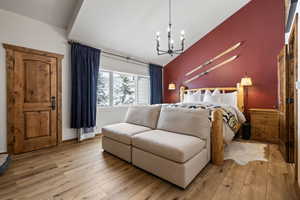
<point>22,31</point>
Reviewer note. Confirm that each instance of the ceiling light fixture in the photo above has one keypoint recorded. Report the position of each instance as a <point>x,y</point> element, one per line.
<point>171,51</point>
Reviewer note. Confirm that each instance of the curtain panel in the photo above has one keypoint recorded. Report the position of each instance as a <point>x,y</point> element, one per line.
<point>155,72</point>
<point>85,63</point>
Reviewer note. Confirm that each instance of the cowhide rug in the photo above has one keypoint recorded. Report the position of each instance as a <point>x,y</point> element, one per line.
<point>242,153</point>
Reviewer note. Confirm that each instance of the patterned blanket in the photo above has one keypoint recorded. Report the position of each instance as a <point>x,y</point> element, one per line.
<point>229,116</point>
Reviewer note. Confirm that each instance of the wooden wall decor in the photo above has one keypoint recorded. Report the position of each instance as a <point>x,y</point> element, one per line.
<point>215,58</point>
<point>33,99</point>
<point>212,69</point>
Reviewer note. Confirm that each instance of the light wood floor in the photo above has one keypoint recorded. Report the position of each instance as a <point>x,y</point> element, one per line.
<point>83,171</point>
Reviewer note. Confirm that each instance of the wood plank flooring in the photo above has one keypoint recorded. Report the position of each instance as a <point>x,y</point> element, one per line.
<point>83,171</point>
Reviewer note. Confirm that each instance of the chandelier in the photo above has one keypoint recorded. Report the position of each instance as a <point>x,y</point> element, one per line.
<point>171,51</point>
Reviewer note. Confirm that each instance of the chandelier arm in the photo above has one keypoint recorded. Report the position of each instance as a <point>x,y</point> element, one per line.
<point>162,51</point>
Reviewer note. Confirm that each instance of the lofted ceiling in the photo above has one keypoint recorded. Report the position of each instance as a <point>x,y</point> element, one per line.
<point>54,12</point>
<point>129,27</point>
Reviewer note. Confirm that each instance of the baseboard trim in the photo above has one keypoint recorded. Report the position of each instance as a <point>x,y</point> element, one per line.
<point>97,136</point>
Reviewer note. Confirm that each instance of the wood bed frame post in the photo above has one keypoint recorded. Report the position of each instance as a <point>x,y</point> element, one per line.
<point>240,97</point>
<point>181,93</point>
<point>217,138</point>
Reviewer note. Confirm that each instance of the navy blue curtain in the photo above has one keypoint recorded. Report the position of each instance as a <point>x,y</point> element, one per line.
<point>85,63</point>
<point>155,72</point>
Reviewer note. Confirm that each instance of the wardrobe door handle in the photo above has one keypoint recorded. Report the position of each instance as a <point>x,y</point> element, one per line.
<point>53,103</point>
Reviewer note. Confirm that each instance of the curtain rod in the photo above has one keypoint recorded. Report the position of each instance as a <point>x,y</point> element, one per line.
<point>117,55</point>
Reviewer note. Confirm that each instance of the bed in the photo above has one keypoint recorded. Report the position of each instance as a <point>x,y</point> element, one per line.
<point>221,132</point>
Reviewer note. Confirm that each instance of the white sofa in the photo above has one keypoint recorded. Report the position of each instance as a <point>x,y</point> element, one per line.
<point>172,143</point>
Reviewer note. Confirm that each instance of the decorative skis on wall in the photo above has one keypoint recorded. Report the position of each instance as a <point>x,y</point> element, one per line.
<point>215,58</point>
<point>212,68</point>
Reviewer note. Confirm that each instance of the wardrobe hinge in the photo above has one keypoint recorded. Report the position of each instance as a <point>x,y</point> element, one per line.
<point>14,139</point>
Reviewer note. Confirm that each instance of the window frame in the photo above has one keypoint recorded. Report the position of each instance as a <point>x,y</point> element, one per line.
<point>111,88</point>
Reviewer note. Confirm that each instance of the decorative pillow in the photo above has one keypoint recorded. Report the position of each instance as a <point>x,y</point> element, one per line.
<point>186,121</point>
<point>143,115</point>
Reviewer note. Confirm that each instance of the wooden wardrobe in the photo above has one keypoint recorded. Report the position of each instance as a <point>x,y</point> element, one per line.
<point>287,96</point>
<point>33,99</point>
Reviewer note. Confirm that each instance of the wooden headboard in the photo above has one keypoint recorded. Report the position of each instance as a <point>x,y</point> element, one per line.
<point>239,89</point>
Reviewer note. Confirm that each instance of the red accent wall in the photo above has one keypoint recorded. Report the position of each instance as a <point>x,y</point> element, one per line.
<point>260,25</point>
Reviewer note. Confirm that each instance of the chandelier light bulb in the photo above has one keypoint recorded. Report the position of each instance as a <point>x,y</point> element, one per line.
<point>172,41</point>
<point>157,34</point>
<point>182,32</point>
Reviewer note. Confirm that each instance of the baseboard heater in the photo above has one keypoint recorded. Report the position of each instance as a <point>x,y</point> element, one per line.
<point>86,133</point>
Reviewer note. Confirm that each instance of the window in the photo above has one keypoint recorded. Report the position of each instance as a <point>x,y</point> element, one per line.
<point>143,87</point>
<point>103,96</point>
<point>116,88</point>
<point>124,89</point>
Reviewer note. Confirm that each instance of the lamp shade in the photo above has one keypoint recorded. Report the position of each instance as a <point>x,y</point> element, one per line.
<point>246,81</point>
<point>172,86</point>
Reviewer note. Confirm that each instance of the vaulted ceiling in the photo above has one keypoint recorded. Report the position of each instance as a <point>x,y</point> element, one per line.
<point>129,27</point>
<point>54,12</point>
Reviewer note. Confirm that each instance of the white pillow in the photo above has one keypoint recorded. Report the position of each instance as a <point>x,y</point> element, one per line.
<point>229,99</point>
<point>214,99</point>
<point>193,97</point>
<point>216,92</point>
<point>186,98</point>
<point>201,96</point>
<point>207,95</point>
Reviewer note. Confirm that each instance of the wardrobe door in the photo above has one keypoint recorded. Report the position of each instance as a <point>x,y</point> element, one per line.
<point>292,104</point>
<point>282,101</point>
<point>33,100</point>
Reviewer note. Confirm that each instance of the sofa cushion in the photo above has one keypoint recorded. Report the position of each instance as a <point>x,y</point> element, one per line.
<point>123,132</point>
<point>143,115</point>
<point>193,122</point>
<point>172,146</point>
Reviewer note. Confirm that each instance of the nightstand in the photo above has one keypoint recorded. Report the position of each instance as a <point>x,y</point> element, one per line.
<point>264,125</point>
